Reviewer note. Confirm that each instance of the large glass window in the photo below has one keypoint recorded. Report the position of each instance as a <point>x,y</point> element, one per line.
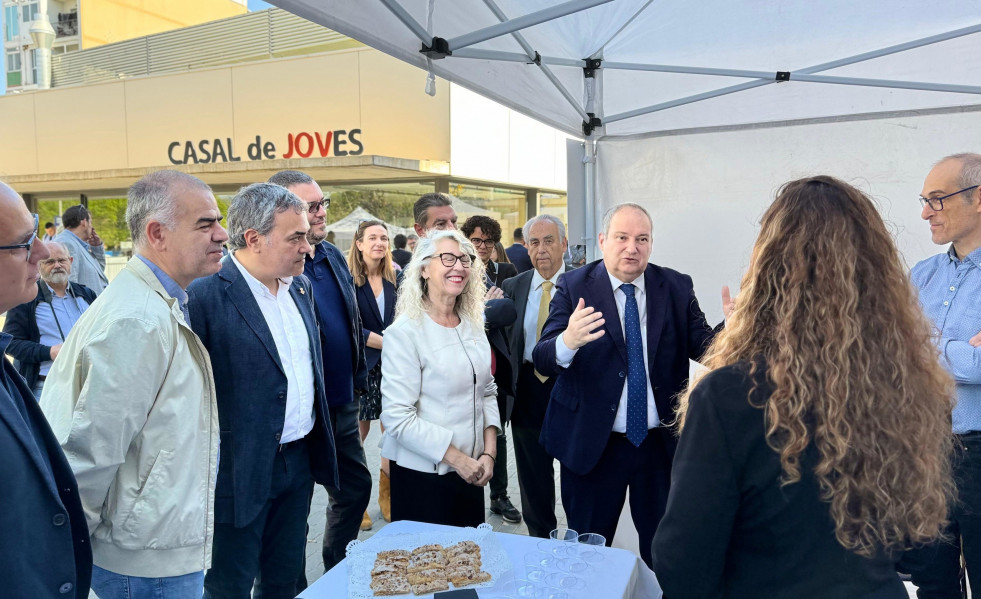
<point>507,206</point>
<point>11,23</point>
<point>30,12</point>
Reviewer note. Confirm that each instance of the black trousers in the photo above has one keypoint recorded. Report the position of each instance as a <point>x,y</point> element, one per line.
<point>271,547</point>
<point>593,501</point>
<point>499,482</point>
<point>429,497</point>
<point>536,469</point>
<point>935,569</point>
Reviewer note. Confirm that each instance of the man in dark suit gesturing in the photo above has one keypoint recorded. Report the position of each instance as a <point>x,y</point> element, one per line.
<point>618,338</point>
<point>256,317</point>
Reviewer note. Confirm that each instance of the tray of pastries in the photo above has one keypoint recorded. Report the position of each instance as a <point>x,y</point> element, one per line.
<point>418,565</point>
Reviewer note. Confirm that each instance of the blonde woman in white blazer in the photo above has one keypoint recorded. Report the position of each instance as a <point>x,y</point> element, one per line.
<point>439,399</point>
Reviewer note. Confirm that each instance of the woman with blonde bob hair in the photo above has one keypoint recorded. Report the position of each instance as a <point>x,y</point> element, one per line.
<point>439,399</point>
<point>817,447</point>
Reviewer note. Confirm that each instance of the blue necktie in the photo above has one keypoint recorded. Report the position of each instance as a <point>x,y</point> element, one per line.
<point>636,373</point>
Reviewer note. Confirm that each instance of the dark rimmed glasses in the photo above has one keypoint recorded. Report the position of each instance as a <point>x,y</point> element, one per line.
<point>478,242</point>
<point>314,207</point>
<point>29,245</point>
<point>938,203</point>
<point>449,259</point>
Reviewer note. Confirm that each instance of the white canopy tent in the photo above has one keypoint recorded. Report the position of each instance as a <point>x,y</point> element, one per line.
<point>700,110</point>
<point>671,95</point>
<point>346,228</point>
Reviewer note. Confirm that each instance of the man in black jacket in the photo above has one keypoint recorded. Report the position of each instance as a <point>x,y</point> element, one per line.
<point>44,545</point>
<point>40,326</point>
<point>400,255</point>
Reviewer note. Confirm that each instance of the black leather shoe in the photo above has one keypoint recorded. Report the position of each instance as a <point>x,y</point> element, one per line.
<point>507,511</point>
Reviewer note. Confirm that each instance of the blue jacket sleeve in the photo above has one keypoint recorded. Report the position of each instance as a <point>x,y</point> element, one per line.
<point>559,312</point>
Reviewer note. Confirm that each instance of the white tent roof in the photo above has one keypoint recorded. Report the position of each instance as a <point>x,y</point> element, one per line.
<point>843,56</point>
<point>350,223</point>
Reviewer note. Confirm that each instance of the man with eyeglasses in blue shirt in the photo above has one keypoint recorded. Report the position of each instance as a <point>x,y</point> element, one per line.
<point>41,326</point>
<point>950,293</point>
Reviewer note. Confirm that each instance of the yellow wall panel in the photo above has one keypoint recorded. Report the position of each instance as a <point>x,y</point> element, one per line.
<point>397,116</point>
<point>178,108</point>
<point>107,21</point>
<point>18,153</point>
<point>80,128</point>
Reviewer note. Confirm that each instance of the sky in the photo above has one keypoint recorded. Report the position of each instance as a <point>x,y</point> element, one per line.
<point>259,5</point>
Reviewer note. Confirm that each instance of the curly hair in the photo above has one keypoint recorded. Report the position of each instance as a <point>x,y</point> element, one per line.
<point>413,300</point>
<point>355,259</point>
<point>488,226</point>
<point>827,308</point>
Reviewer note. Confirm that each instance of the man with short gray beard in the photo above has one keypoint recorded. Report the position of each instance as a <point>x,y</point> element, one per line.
<point>40,326</point>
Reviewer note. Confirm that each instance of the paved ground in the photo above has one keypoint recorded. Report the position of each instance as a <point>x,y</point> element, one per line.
<point>315,567</point>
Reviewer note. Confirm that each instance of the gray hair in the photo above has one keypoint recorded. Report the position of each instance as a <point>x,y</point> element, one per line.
<point>56,245</point>
<point>412,236</point>
<point>420,210</point>
<point>255,207</point>
<point>608,217</point>
<point>970,168</point>
<point>155,198</point>
<point>289,178</point>
<point>542,218</point>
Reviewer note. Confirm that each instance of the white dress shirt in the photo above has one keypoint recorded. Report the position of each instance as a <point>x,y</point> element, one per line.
<point>564,355</point>
<point>531,309</point>
<point>293,345</point>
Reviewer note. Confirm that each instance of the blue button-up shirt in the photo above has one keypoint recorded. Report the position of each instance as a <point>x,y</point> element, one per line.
<point>950,292</point>
<point>171,287</point>
<point>56,319</point>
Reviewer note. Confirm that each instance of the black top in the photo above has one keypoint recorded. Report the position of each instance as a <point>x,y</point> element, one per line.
<point>401,257</point>
<point>732,531</point>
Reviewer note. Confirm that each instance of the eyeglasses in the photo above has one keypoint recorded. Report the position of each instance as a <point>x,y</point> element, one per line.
<point>59,261</point>
<point>938,203</point>
<point>29,245</point>
<point>449,259</point>
<point>477,242</point>
<point>314,207</point>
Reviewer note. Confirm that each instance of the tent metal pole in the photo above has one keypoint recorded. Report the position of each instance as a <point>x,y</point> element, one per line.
<point>920,85</point>
<point>663,68</point>
<point>589,166</point>
<point>532,55</point>
<point>407,20</point>
<point>926,41</point>
<point>519,23</point>
<point>517,57</point>
<point>599,53</point>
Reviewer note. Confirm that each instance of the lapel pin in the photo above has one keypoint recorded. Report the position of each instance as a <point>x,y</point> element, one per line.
<point>302,292</point>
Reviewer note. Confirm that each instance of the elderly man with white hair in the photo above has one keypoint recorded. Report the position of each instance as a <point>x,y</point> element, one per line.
<point>131,399</point>
<point>40,327</point>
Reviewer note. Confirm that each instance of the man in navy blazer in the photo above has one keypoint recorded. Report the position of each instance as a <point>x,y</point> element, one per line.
<point>618,337</point>
<point>44,539</point>
<point>256,317</point>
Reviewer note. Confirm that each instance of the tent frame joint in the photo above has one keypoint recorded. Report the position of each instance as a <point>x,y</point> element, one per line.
<point>589,71</point>
<point>592,124</point>
<point>537,60</point>
<point>782,76</point>
<point>437,49</point>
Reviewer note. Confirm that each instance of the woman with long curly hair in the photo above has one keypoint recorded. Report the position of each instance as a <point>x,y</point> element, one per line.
<point>817,447</point>
<point>439,399</point>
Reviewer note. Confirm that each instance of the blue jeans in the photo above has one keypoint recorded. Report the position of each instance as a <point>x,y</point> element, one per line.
<point>109,585</point>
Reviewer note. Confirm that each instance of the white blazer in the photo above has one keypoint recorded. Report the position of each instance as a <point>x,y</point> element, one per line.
<point>437,390</point>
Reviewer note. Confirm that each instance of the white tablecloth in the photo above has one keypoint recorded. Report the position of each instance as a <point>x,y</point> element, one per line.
<point>619,574</point>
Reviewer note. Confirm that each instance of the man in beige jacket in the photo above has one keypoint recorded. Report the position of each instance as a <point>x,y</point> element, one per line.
<point>131,399</point>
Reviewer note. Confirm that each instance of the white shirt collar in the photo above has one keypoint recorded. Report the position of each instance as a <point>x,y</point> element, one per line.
<point>638,282</point>
<point>255,284</point>
<point>537,279</point>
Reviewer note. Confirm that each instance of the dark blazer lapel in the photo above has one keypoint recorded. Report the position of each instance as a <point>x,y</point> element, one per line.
<point>15,422</point>
<point>522,290</point>
<point>240,294</point>
<point>297,292</point>
<point>657,306</point>
<point>349,300</point>
<point>601,292</point>
<point>389,315</point>
<point>369,298</point>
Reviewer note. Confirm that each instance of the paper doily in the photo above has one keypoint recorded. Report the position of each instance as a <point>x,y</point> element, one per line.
<point>361,556</point>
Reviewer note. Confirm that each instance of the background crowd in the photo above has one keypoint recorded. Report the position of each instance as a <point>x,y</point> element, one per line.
<point>165,432</point>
